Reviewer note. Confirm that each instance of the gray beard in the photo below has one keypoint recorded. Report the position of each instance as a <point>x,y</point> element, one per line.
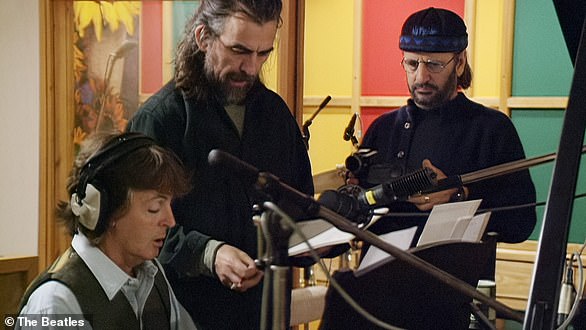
<point>221,90</point>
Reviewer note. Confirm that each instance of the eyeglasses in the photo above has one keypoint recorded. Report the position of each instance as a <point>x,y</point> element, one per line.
<point>411,65</point>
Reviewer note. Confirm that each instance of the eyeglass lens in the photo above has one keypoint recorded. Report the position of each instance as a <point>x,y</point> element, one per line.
<point>411,65</point>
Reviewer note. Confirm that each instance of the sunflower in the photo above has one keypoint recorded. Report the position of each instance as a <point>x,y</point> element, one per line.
<point>105,14</point>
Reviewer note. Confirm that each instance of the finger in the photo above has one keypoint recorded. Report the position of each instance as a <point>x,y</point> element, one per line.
<point>419,199</point>
<point>251,282</point>
<point>440,174</point>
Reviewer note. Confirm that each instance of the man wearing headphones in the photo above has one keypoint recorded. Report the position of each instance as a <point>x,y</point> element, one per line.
<point>121,189</point>
<point>218,101</point>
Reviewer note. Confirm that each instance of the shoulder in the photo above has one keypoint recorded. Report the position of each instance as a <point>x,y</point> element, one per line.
<point>165,102</point>
<point>482,109</point>
<point>485,114</point>
<point>394,115</point>
<point>261,95</point>
<point>162,116</point>
<point>52,297</point>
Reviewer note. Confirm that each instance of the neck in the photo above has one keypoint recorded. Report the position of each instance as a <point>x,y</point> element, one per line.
<point>112,251</point>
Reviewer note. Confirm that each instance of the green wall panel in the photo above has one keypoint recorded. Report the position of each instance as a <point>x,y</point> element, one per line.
<point>541,61</point>
<point>540,132</point>
<point>182,12</point>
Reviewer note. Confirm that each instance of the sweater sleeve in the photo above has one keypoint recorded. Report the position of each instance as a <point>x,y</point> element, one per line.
<point>161,118</point>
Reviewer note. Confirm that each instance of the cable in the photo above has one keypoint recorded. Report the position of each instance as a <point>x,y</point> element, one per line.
<point>567,292</point>
<point>580,293</point>
<point>271,206</point>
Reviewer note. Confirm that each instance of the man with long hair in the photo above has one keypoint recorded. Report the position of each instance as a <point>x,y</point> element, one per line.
<point>217,101</point>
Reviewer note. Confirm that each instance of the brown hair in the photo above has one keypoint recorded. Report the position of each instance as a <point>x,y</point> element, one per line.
<point>145,168</point>
<point>465,79</point>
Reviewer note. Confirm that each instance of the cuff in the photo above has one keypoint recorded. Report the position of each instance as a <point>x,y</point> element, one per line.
<point>209,256</point>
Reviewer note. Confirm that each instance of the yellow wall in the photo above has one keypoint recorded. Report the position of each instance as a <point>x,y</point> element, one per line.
<point>486,60</point>
<point>328,47</point>
<point>329,33</point>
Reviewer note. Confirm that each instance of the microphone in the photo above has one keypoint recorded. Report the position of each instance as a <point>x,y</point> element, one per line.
<point>293,202</point>
<point>123,49</point>
<point>308,122</point>
<point>349,131</point>
<point>355,207</point>
<point>322,105</point>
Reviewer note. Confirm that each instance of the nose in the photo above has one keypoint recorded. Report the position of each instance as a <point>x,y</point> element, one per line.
<point>168,217</point>
<point>422,74</point>
<point>252,63</point>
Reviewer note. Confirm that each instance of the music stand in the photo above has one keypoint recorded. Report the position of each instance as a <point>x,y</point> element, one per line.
<point>406,297</point>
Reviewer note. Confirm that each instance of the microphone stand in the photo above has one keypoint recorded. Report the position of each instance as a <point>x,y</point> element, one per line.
<point>120,52</point>
<point>492,172</point>
<point>308,122</point>
<point>278,191</point>
<point>276,269</point>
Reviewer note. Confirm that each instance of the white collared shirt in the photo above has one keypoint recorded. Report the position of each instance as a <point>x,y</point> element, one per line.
<point>54,298</point>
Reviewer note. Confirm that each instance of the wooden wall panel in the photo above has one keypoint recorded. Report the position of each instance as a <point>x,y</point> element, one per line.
<point>15,276</point>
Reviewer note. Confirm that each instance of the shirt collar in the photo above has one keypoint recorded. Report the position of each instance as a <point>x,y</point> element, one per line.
<point>109,275</point>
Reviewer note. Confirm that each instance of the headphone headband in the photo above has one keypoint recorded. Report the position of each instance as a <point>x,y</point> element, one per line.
<point>112,151</point>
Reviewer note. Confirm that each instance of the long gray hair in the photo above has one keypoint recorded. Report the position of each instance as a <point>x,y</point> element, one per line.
<point>189,61</point>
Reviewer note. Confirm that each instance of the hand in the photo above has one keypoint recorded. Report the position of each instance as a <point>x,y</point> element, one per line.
<point>235,269</point>
<point>351,179</point>
<point>425,202</point>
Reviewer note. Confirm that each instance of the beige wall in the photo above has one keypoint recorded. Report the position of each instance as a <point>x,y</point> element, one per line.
<point>19,127</point>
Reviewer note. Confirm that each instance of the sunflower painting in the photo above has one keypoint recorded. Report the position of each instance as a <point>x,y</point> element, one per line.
<point>105,65</point>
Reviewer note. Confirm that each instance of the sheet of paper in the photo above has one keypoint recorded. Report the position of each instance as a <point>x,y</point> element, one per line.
<point>331,236</point>
<point>476,228</point>
<point>321,233</point>
<point>376,257</point>
<point>442,219</point>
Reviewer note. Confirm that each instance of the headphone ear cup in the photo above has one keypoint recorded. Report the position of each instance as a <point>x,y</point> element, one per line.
<point>88,209</point>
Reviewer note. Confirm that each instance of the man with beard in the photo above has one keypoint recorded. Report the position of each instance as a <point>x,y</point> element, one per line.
<point>217,101</point>
<point>440,128</point>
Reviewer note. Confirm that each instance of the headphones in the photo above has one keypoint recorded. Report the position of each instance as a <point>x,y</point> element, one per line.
<point>90,200</point>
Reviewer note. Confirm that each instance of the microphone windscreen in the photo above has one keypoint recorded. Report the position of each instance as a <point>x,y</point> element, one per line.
<point>325,102</point>
<point>343,204</point>
<point>223,160</point>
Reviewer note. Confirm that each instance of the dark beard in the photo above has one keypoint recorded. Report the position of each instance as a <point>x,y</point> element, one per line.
<point>441,96</point>
<point>221,90</point>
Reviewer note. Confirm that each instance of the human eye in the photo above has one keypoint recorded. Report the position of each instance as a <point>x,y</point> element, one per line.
<point>434,66</point>
<point>239,50</point>
<point>265,53</point>
<point>154,210</point>
<point>155,206</point>
<point>411,64</point>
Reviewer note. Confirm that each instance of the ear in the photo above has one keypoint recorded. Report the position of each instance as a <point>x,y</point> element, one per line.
<point>201,38</point>
<point>462,58</point>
